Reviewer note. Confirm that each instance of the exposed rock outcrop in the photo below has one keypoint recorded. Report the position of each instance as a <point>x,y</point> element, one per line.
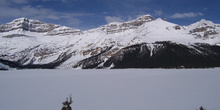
<point>121,27</point>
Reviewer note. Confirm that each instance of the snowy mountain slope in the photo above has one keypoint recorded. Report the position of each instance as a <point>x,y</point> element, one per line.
<point>204,29</point>
<point>28,43</point>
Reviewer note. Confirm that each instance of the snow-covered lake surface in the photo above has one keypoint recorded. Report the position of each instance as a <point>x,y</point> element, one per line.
<point>129,89</point>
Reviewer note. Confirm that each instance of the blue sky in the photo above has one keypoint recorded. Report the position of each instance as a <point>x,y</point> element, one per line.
<point>87,14</point>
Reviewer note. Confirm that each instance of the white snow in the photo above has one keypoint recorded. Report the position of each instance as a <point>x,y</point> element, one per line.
<point>76,41</point>
<point>127,89</point>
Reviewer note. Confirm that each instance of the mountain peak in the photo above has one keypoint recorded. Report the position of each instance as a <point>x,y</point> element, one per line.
<point>26,24</point>
<point>206,21</point>
<point>143,19</point>
<point>202,23</point>
<point>29,43</point>
<point>21,19</point>
<point>116,27</point>
<point>24,20</point>
<point>203,20</point>
<point>145,16</point>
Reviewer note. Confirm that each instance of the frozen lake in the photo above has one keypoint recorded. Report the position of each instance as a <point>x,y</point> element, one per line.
<point>128,89</point>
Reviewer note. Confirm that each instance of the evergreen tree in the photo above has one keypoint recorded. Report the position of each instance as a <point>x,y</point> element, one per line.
<point>66,104</point>
<point>201,108</point>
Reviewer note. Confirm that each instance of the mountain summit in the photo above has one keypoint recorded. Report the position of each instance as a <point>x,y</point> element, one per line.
<point>121,27</point>
<point>145,42</point>
<point>25,24</point>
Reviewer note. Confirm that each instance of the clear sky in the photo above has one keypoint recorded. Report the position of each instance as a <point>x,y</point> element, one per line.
<point>87,14</point>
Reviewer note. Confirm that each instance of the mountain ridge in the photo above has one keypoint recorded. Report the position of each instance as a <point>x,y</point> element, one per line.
<point>35,44</point>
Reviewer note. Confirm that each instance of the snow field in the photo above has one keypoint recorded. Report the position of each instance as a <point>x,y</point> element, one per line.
<point>127,89</point>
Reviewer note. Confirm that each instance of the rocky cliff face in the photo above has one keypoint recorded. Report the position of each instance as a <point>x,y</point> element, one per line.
<point>27,25</point>
<point>121,27</point>
<point>204,29</point>
<point>64,31</point>
<point>145,42</point>
<point>24,24</point>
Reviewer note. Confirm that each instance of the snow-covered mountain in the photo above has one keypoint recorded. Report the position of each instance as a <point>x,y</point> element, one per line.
<point>145,42</point>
